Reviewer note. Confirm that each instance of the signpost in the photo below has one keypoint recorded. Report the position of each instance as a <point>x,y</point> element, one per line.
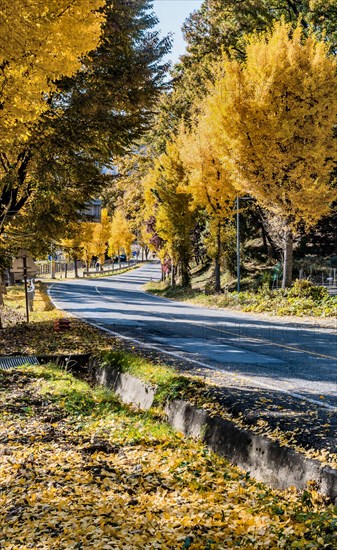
<point>25,268</point>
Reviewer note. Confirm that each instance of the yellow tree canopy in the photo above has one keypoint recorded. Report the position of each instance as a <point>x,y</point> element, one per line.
<point>274,117</point>
<point>121,236</point>
<point>40,41</point>
<point>87,240</point>
<point>209,182</point>
<point>169,202</point>
<point>166,198</point>
<point>101,234</point>
<point>80,242</point>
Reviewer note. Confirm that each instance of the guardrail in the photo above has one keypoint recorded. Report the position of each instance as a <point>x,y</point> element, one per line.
<point>109,271</point>
<point>332,290</point>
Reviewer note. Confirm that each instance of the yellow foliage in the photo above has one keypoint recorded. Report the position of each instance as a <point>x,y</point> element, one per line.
<point>40,42</point>
<point>121,236</point>
<point>209,182</point>
<point>100,237</point>
<point>273,118</point>
<point>166,199</point>
<point>79,470</point>
<point>81,243</point>
<point>86,240</point>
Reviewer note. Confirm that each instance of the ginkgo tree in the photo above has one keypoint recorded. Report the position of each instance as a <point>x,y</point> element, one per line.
<point>40,42</point>
<point>87,239</point>
<point>209,183</point>
<point>121,236</point>
<point>101,235</point>
<point>168,201</point>
<point>273,117</point>
<point>87,242</point>
<point>77,101</point>
<point>72,244</point>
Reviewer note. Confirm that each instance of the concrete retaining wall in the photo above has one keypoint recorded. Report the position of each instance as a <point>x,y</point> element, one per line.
<point>127,387</point>
<point>266,460</point>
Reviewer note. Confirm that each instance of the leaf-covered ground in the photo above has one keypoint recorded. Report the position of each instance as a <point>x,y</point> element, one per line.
<point>39,337</point>
<point>78,470</point>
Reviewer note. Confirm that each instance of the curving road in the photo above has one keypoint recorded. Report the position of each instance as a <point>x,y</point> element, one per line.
<point>248,350</point>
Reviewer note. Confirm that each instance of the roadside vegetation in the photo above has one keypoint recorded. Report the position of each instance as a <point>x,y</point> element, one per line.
<point>230,155</point>
<point>302,299</point>
<point>75,461</point>
<point>235,154</point>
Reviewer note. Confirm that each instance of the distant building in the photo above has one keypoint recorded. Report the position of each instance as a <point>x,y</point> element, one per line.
<point>93,210</point>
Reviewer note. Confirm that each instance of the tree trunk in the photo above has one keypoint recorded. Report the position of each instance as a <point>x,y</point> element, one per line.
<point>173,279</point>
<point>53,269</point>
<point>217,281</point>
<point>2,287</point>
<point>288,245</point>
<point>185,275</point>
<point>267,245</point>
<point>75,268</point>
<point>2,292</point>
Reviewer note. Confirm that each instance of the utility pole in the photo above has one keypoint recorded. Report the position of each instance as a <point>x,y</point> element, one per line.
<point>238,259</point>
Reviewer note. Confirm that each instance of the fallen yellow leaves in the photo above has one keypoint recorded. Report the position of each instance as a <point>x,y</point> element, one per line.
<point>78,470</point>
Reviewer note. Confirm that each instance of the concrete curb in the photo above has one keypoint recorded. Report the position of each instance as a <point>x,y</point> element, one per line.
<point>264,459</point>
<point>129,388</point>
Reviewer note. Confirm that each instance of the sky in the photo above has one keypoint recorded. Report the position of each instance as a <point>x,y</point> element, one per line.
<point>171,15</point>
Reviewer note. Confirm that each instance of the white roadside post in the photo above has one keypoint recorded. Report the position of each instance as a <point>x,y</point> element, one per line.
<point>24,267</point>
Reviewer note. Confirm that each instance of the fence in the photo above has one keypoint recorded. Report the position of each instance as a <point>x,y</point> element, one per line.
<point>56,268</point>
<point>326,277</point>
<point>60,270</point>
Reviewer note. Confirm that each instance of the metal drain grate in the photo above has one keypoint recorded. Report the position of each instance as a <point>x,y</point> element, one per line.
<point>13,361</point>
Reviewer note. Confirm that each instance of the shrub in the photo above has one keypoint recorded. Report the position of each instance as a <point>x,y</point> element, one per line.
<point>305,289</point>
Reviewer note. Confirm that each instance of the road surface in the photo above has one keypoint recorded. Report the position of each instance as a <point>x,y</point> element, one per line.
<point>248,350</point>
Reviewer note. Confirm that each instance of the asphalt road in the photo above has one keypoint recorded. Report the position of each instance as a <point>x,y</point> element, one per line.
<point>244,350</point>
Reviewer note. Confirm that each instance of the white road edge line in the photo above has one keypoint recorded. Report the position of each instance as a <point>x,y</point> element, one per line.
<point>195,361</point>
